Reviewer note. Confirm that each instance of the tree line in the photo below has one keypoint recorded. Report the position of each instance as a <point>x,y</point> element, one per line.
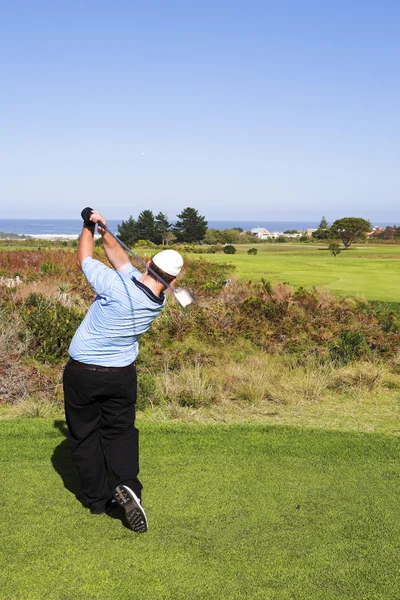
<point>189,228</point>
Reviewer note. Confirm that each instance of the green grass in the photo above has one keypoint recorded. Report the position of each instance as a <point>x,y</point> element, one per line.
<point>263,512</point>
<point>365,271</point>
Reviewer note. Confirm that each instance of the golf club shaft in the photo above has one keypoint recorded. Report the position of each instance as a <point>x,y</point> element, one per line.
<point>142,262</point>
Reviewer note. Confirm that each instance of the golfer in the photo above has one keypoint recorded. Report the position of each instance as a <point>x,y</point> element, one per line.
<point>100,377</point>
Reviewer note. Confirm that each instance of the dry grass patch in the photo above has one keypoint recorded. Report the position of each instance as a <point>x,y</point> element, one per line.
<point>35,406</point>
<point>271,378</point>
<point>191,386</point>
<point>359,377</point>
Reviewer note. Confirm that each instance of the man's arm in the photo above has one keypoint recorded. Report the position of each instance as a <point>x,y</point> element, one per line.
<point>115,253</point>
<point>86,244</point>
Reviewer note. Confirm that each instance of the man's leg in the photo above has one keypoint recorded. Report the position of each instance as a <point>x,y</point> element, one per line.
<point>83,414</point>
<point>119,435</point>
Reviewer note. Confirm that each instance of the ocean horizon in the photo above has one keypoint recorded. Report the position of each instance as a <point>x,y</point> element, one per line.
<point>72,227</point>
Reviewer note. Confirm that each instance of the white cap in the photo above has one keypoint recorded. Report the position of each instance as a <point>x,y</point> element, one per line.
<point>169,261</point>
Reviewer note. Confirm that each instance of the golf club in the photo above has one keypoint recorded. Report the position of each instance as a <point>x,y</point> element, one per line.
<point>183,297</point>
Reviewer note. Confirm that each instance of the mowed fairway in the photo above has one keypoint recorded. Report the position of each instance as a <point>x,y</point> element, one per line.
<point>235,512</point>
<point>369,272</point>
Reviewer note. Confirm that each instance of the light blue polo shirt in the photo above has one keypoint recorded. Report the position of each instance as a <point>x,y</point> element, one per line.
<point>122,311</point>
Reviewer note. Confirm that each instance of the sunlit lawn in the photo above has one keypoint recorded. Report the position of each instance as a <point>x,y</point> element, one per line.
<point>235,512</point>
<point>365,271</point>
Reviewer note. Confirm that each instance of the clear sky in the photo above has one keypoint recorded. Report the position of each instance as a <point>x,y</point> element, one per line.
<point>265,109</point>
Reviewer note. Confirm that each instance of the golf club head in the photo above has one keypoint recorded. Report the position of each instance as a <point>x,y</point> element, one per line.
<point>184,297</point>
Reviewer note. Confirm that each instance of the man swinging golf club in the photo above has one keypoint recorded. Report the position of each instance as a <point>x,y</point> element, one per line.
<point>100,377</point>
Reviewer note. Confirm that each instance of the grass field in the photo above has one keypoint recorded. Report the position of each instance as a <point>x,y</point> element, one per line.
<point>234,512</point>
<point>365,271</point>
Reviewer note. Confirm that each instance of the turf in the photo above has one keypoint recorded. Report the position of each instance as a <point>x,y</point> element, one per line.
<point>234,512</point>
<point>365,271</point>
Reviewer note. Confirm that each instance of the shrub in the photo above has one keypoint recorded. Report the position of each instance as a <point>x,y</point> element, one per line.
<point>145,244</point>
<point>49,268</point>
<point>51,326</point>
<point>269,309</point>
<point>351,346</point>
<point>252,251</point>
<point>203,275</point>
<point>229,249</point>
<point>148,392</point>
<point>334,248</point>
<point>266,286</point>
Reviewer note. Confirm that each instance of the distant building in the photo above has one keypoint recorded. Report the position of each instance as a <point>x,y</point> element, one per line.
<point>309,232</point>
<point>264,234</point>
<point>260,232</point>
<point>375,230</point>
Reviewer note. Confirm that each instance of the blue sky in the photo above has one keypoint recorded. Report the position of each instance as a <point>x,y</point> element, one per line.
<point>244,110</point>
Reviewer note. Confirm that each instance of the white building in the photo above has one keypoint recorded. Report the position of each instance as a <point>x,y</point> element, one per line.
<point>264,234</point>
<point>260,232</point>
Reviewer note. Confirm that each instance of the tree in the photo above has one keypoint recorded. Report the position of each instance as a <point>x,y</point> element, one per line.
<point>229,249</point>
<point>348,229</point>
<point>323,224</point>
<point>145,226</point>
<point>334,248</point>
<point>162,227</point>
<point>230,236</point>
<point>191,227</point>
<point>213,236</point>
<point>321,234</point>
<point>127,232</point>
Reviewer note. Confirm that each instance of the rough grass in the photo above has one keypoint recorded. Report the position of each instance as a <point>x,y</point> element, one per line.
<point>251,387</point>
<point>234,512</point>
<point>259,377</point>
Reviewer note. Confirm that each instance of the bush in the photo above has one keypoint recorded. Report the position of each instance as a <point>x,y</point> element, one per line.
<point>334,248</point>
<point>145,244</point>
<point>51,326</point>
<point>49,268</point>
<point>203,275</point>
<point>148,392</point>
<point>252,251</point>
<point>351,346</point>
<point>266,286</point>
<point>229,249</point>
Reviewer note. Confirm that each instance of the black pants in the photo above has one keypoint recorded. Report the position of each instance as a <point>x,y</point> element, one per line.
<point>100,413</point>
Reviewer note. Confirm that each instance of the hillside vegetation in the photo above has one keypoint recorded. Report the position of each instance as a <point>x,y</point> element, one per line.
<point>248,351</point>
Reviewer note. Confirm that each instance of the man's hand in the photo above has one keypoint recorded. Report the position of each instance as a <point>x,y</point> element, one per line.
<point>95,217</point>
<point>86,240</point>
<point>116,255</point>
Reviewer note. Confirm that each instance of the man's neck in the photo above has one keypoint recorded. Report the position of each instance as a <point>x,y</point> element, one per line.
<point>155,286</point>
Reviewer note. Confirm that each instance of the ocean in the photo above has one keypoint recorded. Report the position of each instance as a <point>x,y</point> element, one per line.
<point>72,227</point>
